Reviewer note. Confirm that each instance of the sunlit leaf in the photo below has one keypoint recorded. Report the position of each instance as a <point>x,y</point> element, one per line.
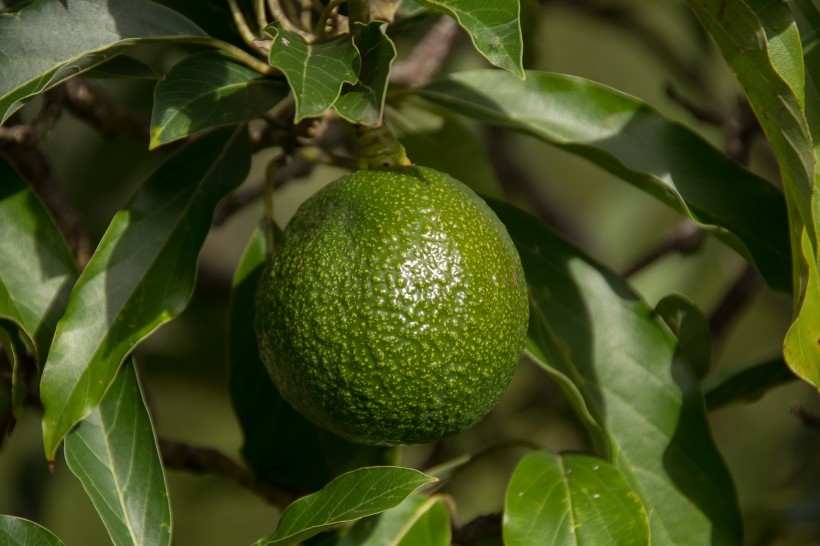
<point>315,72</point>
<point>140,276</point>
<point>51,40</point>
<point>691,328</point>
<point>363,102</point>
<point>493,26</point>
<point>417,521</point>
<point>351,496</point>
<point>571,499</point>
<point>761,43</point>
<point>114,453</point>
<point>621,368</point>
<point>749,385</point>
<point>16,531</point>
<point>206,90</point>
<point>36,271</point>
<point>281,445</point>
<point>632,141</point>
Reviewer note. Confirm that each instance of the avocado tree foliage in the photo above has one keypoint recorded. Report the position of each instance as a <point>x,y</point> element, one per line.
<point>298,83</point>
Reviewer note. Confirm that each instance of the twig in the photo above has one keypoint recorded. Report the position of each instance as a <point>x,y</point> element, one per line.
<point>93,105</point>
<point>427,58</point>
<point>686,239</point>
<point>734,301</point>
<point>809,420</point>
<point>707,115</point>
<point>203,460</point>
<point>241,24</point>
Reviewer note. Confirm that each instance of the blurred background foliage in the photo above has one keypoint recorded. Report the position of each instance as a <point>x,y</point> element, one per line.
<point>654,50</point>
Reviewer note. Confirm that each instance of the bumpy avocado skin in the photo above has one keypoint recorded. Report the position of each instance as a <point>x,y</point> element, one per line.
<point>394,309</point>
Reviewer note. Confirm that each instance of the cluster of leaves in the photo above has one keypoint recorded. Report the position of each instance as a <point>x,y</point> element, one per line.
<point>655,472</point>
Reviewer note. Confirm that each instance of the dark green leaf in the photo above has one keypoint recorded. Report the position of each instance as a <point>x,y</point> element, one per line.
<point>807,15</point>
<point>691,329</point>
<point>35,55</point>
<point>123,67</point>
<point>571,499</point>
<point>16,531</point>
<point>140,276</point>
<point>493,26</point>
<point>760,41</point>
<point>417,521</point>
<point>349,497</point>
<point>209,89</point>
<point>363,102</point>
<point>280,444</point>
<point>114,453</point>
<point>36,272</point>
<point>749,384</point>
<point>315,72</point>
<point>622,369</point>
<point>627,138</point>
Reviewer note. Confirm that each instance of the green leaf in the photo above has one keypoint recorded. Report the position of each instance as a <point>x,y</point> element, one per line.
<point>349,497</point>
<point>571,499</point>
<point>363,103</point>
<point>34,59</point>
<point>417,521</point>
<point>281,445</point>
<point>114,453</point>
<point>123,67</point>
<point>315,72</point>
<point>621,367</point>
<point>209,89</point>
<point>36,272</point>
<point>493,26</point>
<point>140,276</point>
<point>691,328</point>
<point>761,43</point>
<point>749,384</point>
<point>16,531</point>
<point>632,141</point>
<point>807,16</point>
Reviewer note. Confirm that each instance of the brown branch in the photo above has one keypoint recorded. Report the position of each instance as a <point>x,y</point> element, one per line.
<point>701,113</point>
<point>427,58</point>
<point>686,239</point>
<point>735,300</point>
<point>203,460</point>
<point>89,102</point>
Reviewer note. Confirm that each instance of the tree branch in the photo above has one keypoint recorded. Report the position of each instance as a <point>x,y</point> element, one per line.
<point>427,58</point>
<point>203,460</point>
<point>686,239</point>
<point>734,301</point>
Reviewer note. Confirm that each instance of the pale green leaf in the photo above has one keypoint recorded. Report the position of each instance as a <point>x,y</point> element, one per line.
<point>635,143</point>
<point>351,496</point>
<point>493,26</point>
<point>417,521</point>
<point>16,531</point>
<point>206,90</point>
<point>363,103</point>
<point>315,72</point>
<point>140,276</point>
<point>760,42</point>
<point>621,367</point>
<point>49,41</point>
<point>571,499</point>
<point>114,453</point>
